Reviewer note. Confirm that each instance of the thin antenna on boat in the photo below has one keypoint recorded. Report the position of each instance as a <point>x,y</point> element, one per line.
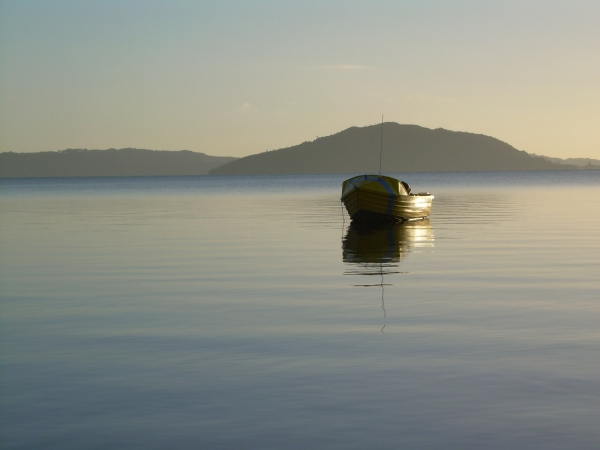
<point>381,145</point>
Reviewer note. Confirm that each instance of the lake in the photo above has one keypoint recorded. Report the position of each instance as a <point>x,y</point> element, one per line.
<point>246,313</point>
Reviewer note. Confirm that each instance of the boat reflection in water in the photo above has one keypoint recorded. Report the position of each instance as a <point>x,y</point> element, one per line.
<point>377,250</point>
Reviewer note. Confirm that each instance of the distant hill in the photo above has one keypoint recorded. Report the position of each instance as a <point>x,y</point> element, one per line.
<point>406,148</point>
<point>108,163</point>
<point>587,163</point>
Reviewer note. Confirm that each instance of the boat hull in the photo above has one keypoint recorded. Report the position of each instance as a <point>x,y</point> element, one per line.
<point>368,202</point>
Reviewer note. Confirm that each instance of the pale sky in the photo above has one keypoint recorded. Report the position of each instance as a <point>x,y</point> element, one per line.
<point>233,78</point>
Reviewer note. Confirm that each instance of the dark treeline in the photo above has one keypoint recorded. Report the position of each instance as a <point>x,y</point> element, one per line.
<point>108,163</point>
<point>406,148</point>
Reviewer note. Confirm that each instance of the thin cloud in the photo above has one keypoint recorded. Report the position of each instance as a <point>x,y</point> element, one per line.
<point>344,67</point>
<point>347,67</point>
<point>244,108</point>
<point>426,97</point>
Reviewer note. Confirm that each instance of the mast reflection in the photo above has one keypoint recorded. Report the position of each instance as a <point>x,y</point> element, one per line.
<point>378,250</point>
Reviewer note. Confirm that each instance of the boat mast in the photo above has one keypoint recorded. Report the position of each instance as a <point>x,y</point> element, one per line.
<point>381,145</point>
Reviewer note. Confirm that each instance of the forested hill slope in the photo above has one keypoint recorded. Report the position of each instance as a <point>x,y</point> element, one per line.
<point>406,148</point>
<point>108,163</point>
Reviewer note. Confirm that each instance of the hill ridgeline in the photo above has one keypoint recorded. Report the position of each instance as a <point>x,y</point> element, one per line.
<point>406,148</point>
<point>108,163</point>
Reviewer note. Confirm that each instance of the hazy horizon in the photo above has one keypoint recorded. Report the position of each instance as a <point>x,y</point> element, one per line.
<point>239,78</point>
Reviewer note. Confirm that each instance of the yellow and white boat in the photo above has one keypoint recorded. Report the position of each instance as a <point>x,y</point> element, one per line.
<point>378,198</point>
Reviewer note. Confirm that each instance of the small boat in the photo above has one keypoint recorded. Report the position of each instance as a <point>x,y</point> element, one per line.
<point>379,198</point>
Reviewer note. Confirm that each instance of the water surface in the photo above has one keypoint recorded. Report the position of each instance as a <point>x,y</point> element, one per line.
<point>246,312</point>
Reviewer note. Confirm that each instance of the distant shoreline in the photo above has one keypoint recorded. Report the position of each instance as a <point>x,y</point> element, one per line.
<point>348,174</point>
<point>108,163</point>
<point>406,149</point>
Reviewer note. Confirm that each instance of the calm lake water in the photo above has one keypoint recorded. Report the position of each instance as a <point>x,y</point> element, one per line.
<point>245,313</point>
